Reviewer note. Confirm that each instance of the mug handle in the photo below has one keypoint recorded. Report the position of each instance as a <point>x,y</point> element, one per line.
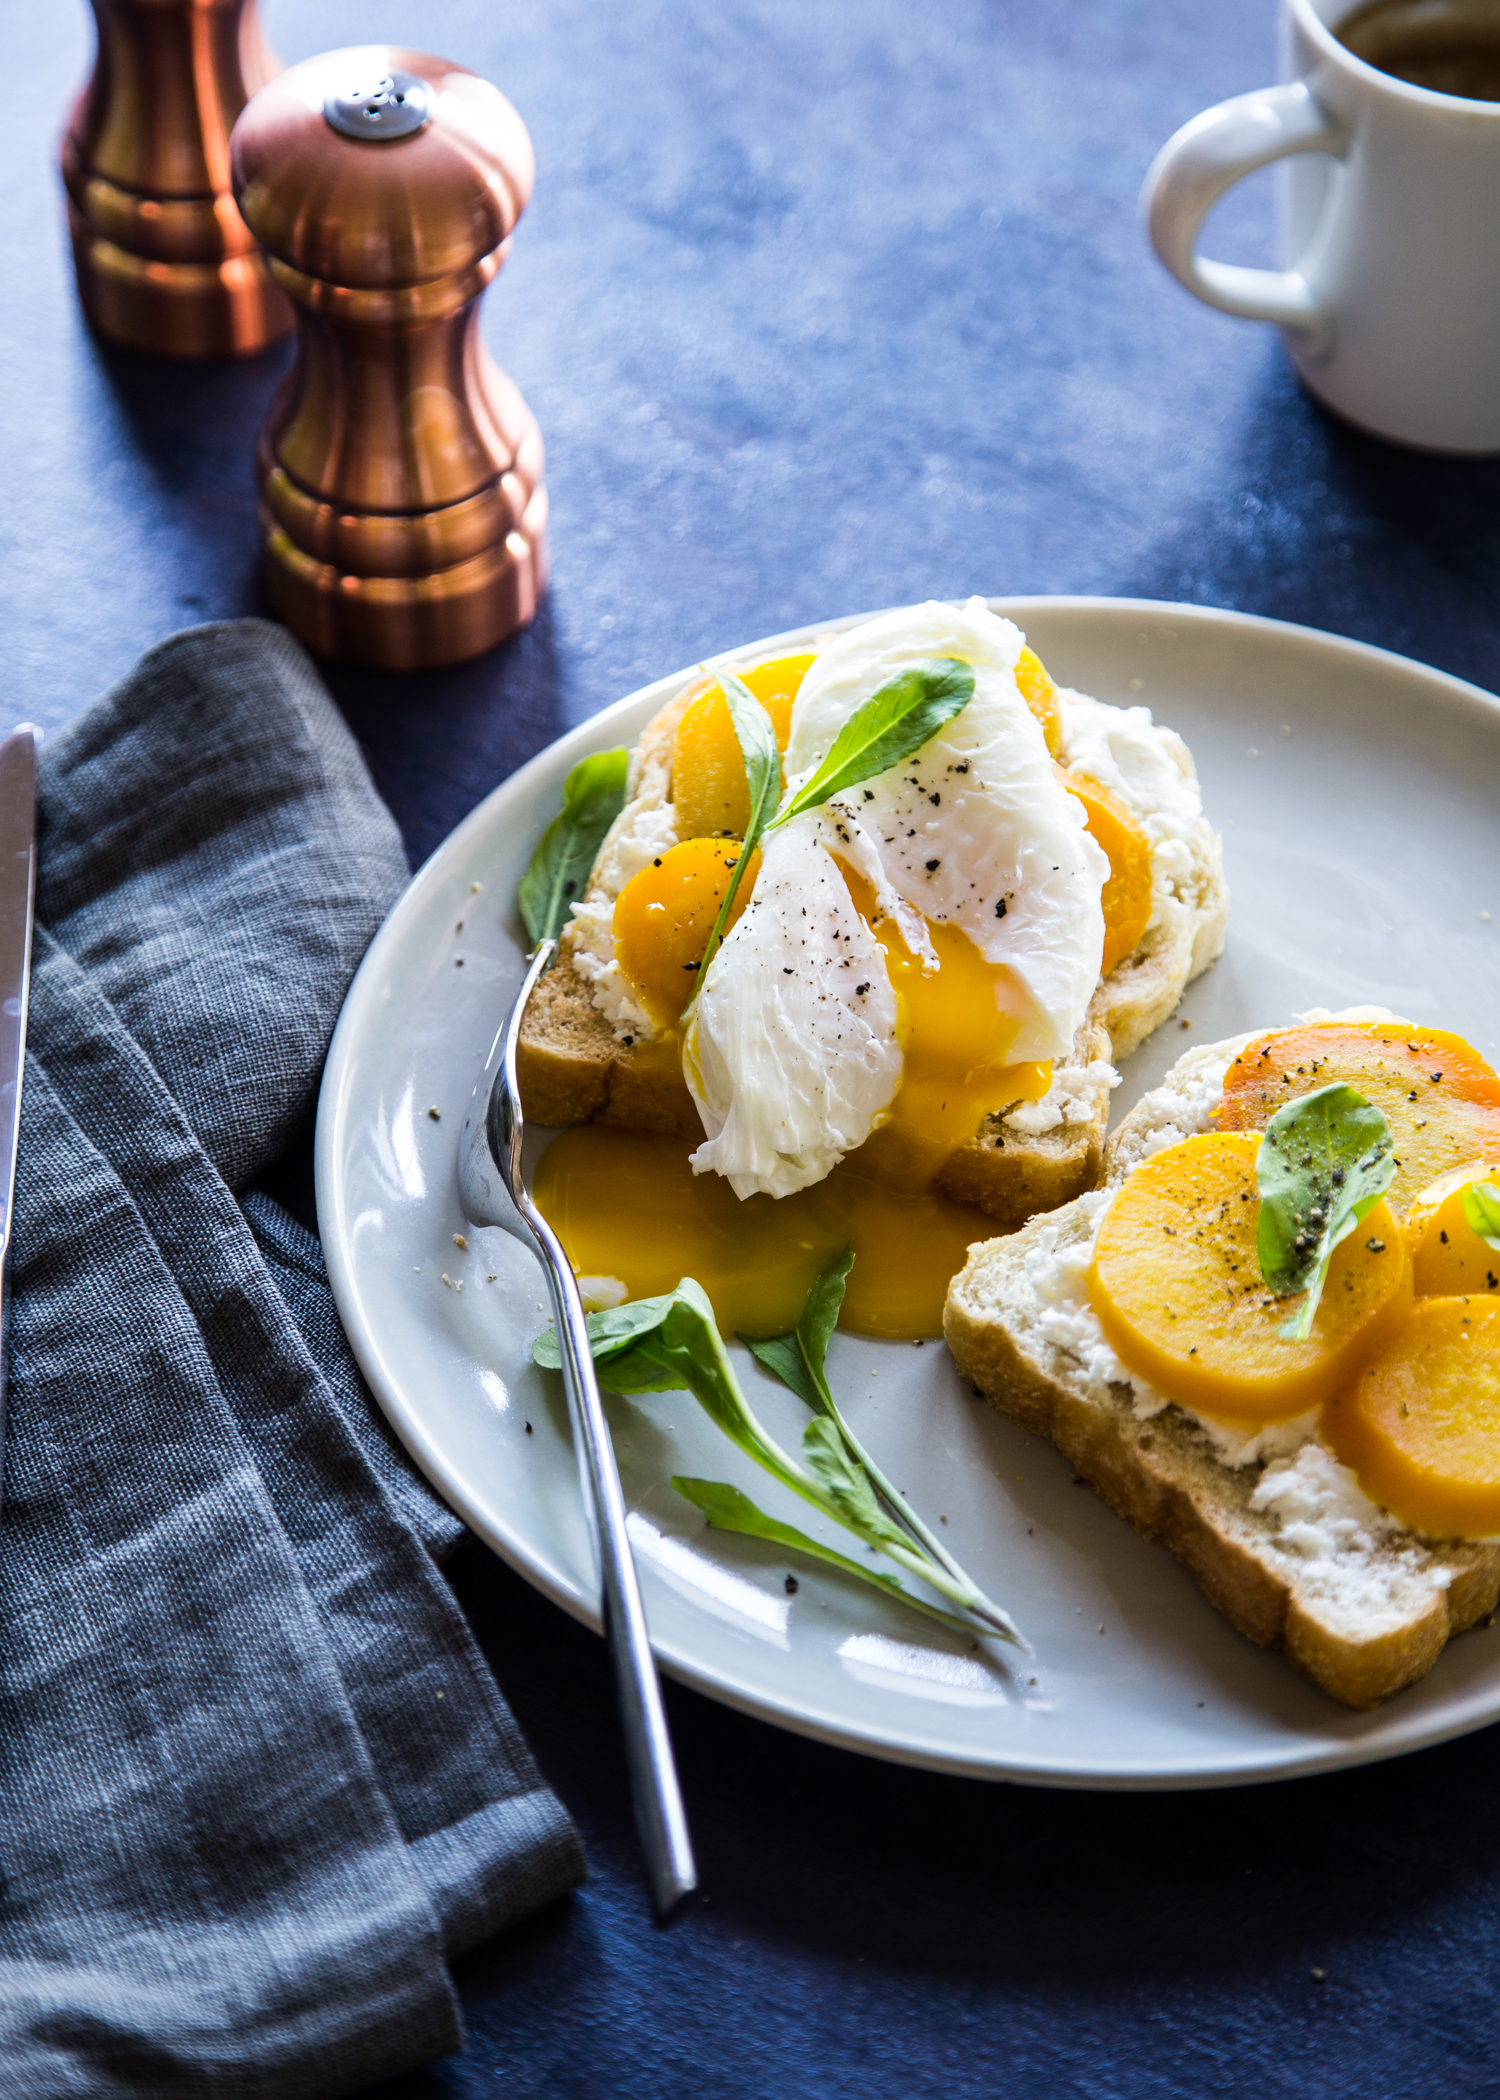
<point>1194,169</point>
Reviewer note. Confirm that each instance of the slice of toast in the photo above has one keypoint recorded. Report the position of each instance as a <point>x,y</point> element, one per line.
<point>573,1068</point>
<point>586,1053</point>
<point>1277,1533</point>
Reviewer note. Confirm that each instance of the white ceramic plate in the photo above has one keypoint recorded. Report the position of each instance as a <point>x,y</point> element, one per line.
<point>1357,794</point>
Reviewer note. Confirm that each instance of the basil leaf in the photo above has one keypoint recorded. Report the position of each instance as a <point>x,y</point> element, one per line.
<point>820,1315</point>
<point>1324,1161</point>
<point>755,734</point>
<point>906,712</point>
<point>663,1344</point>
<point>1482,1211</point>
<point>756,737</point>
<point>846,1484</point>
<point>671,1344</point>
<point>797,1358</point>
<point>782,1357</point>
<point>728,1509</point>
<point>593,796</point>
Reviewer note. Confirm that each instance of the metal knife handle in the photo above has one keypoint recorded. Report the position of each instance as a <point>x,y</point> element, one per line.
<point>17,894</point>
<point>661,1819</point>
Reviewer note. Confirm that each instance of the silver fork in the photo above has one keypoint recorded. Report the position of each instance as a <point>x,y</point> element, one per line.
<point>491,1145</point>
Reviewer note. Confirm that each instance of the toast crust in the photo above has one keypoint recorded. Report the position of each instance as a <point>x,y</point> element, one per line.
<point>1162,1475</point>
<point>574,1069</point>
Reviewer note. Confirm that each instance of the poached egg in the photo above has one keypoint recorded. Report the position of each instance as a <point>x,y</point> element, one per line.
<point>803,1039</point>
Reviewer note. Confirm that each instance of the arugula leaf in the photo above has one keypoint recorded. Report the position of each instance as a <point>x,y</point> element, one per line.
<point>797,1359</point>
<point>782,1357</point>
<point>893,723</point>
<point>1324,1162</point>
<point>671,1343</point>
<point>661,1344</point>
<point>610,1332</point>
<point>846,1483</point>
<point>755,734</point>
<point>593,796</point>
<point>1481,1206</point>
<point>729,1509</point>
<point>820,1315</point>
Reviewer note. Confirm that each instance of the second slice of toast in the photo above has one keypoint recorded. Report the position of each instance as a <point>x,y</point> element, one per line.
<point>1277,1533</point>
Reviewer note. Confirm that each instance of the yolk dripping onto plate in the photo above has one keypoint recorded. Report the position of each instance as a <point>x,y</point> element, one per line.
<point>627,1204</point>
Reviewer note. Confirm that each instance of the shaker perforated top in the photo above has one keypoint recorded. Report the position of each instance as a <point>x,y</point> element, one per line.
<point>391,107</point>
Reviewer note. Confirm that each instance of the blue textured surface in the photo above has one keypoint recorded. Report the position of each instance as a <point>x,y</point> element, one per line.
<point>823,307</point>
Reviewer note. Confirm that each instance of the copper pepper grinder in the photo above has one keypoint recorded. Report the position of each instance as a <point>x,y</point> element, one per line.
<point>165,263</point>
<point>400,471</point>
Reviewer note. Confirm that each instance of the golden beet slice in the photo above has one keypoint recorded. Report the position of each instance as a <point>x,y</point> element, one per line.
<point>1448,1257</point>
<point>708,772</point>
<point>1440,1097</point>
<point>665,914</point>
<point>1421,1424</point>
<point>1040,695</point>
<point>1126,896</point>
<point>1177,1286</point>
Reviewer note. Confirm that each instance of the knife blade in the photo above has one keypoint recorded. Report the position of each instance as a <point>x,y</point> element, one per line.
<point>17,894</point>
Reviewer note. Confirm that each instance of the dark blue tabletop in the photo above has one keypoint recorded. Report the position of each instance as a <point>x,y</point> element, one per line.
<point>825,306</point>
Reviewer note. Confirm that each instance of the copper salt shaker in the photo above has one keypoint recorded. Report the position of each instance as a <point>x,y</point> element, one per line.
<point>164,261</point>
<point>400,471</point>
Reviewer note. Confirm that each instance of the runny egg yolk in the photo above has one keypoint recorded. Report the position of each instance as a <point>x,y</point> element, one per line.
<point>627,1204</point>
<point>955,1042</point>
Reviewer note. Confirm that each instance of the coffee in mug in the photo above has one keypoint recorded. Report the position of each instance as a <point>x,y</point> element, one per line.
<point>1450,46</point>
<point>1388,122</point>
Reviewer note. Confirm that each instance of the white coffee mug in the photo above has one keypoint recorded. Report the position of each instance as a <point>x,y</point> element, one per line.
<point>1390,303</point>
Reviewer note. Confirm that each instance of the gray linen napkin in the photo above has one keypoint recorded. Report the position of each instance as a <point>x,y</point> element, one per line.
<point>256,1783</point>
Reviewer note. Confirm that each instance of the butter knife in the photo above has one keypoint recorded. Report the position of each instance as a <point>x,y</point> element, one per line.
<point>17,892</point>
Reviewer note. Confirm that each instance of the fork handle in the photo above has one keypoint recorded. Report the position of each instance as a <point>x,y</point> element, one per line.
<point>660,1816</point>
